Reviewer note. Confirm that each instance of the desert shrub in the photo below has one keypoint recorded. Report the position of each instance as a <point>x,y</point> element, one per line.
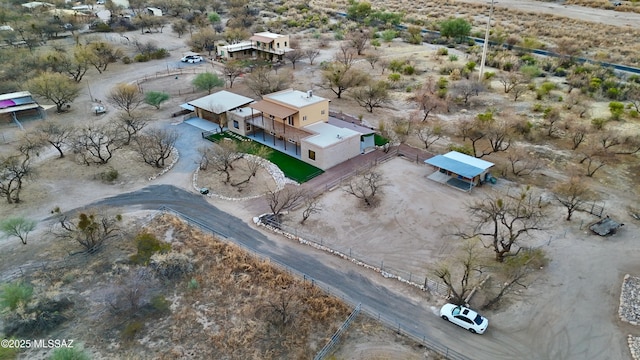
<point>528,59</point>
<point>613,93</point>
<point>170,265</point>
<point>141,58</point>
<point>394,77</point>
<point>102,27</point>
<point>7,353</point>
<point>66,353</point>
<point>455,75</point>
<point>617,109</point>
<point>598,123</point>
<point>109,175</point>
<point>193,284</point>
<point>486,116</point>
<point>560,71</point>
<point>537,107</point>
<point>453,57</point>
<point>489,75</point>
<point>126,60</point>
<point>531,71</point>
<point>160,304</point>
<point>148,245</point>
<point>160,54</point>
<point>465,149</point>
<point>396,65</point>
<point>131,330</point>
<point>633,114</point>
<point>471,65</point>
<point>38,317</point>
<point>523,127</point>
<point>375,43</point>
<point>445,70</point>
<point>15,294</point>
<point>443,51</point>
<point>338,35</point>
<point>408,70</point>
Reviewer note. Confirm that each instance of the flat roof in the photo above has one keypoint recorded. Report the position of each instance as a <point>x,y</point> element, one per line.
<point>14,95</point>
<point>295,98</point>
<point>238,46</point>
<point>274,109</point>
<point>349,125</point>
<point>221,101</point>
<point>19,108</point>
<point>465,165</point>
<point>267,34</point>
<point>246,111</point>
<point>327,134</point>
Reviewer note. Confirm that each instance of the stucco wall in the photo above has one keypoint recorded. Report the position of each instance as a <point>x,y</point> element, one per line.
<point>331,155</point>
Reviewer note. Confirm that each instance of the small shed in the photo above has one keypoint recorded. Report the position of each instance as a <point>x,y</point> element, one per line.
<point>214,106</point>
<point>459,170</point>
<point>606,226</point>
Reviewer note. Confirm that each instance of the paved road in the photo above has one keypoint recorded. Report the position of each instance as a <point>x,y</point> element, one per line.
<point>341,277</point>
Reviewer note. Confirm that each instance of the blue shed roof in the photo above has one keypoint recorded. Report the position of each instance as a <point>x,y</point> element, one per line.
<point>455,166</point>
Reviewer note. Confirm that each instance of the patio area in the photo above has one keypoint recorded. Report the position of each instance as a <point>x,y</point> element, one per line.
<point>271,141</point>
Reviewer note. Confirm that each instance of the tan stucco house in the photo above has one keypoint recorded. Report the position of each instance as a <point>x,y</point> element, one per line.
<point>264,45</point>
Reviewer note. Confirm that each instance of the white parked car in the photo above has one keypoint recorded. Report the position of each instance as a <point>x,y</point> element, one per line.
<point>191,59</point>
<point>464,317</point>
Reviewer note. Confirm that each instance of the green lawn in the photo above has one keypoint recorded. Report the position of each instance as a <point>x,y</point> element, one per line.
<point>379,140</point>
<point>292,168</point>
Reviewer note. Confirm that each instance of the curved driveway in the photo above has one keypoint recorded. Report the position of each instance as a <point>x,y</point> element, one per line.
<point>341,277</point>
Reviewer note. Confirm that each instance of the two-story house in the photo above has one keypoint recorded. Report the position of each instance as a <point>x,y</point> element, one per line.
<point>263,45</point>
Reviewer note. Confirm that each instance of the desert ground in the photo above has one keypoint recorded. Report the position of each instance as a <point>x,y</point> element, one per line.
<point>569,310</point>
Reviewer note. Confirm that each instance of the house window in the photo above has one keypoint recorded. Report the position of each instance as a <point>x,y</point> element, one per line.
<point>248,126</point>
<point>312,155</point>
<point>285,44</point>
<point>230,54</point>
<point>304,118</point>
<point>235,124</point>
<point>278,45</point>
<point>290,120</point>
<point>322,112</point>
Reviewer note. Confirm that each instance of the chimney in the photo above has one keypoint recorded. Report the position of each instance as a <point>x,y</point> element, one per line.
<point>309,93</point>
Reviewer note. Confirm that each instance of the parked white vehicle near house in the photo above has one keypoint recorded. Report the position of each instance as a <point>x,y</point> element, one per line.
<point>465,318</point>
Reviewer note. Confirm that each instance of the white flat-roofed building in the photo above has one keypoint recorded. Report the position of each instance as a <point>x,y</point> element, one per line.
<point>265,45</point>
<point>330,146</point>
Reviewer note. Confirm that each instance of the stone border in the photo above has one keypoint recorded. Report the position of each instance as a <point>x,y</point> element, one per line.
<point>634,346</point>
<point>164,171</point>
<point>257,220</point>
<point>278,176</point>
<point>629,308</point>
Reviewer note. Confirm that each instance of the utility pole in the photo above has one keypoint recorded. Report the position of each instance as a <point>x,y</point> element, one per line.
<point>485,45</point>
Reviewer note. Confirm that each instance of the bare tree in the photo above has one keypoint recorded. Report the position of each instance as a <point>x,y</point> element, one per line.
<point>430,132</point>
<point>498,133</point>
<point>156,146</point>
<point>359,40</point>
<point>293,56</point>
<point>16,168</point>
<point>283,308</point>
<point>519,90</point>
<point>311,206</point>
<point>262,81</point>
<point>254,161</point>
<point>578,135</point>
<point>126,97</point>
<point>91,229</point>
<point>366,186</point>
<point>427,98</point>
<point>221,157</point>
<point>132,291</point>
<point>283,200</point>
<point>311,54</point>
<point>551,122</point>
<point>593,161</point>
<point>232,70</point>
<point>131,124</point>
<point>521,162</point>
<point>339,78</point>
<point>96,144</point>
<point>609,139</point>
<point>57,135</point>
<point>372,95</point>
<point>372,59</point>
<point>462,282</point>
<point>572,194</point>
<point>511,80</point>
<point>465,89</point>
<point>503,221</point>
<point>345,56</point>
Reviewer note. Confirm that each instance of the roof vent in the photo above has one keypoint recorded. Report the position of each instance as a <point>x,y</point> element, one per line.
<point>309,93</point>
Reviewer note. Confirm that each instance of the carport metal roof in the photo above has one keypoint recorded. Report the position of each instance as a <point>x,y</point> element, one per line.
<point>461,164</point>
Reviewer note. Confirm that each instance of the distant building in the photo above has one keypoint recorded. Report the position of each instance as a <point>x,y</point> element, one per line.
<point>153,11</point>
<point>37,4</point>
<point>264,45</point>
